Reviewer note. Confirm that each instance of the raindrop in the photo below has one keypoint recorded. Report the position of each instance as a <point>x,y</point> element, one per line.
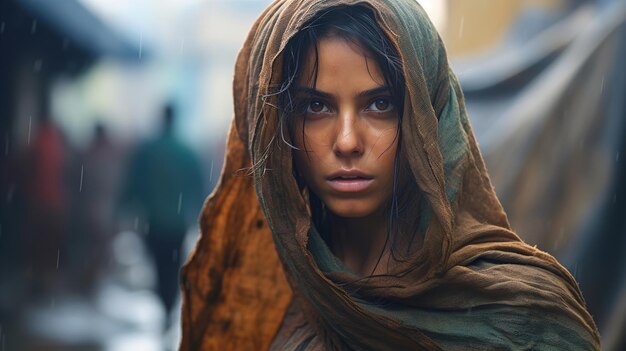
<point>6,145</point>
<point>614,197</point>
<point>30,124</point>
<point>461,26</point>
<point>80,187</point>
<point>140,43</point>
<point>617,156</point>
<point>2,27</point>
<point>58,256</point>
<point>33,27</point>
<point>180,202</point>
<point>559,238</point>
<point>10,193</point>
<point>37,65</point>
<point>211,173</point>
<point>602,86</point>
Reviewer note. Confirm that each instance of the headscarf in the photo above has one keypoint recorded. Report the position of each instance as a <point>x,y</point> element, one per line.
<point>261,275</point>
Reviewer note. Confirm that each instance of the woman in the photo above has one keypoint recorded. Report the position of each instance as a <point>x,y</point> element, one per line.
<point>376,226</point>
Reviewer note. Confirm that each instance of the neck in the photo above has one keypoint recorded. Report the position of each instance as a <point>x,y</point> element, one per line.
<point>359,243</point>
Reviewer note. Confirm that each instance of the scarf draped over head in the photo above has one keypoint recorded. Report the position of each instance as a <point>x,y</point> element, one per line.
<point>261,276</point>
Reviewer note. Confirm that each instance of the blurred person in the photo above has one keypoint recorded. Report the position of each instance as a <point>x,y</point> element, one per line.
<point>375,225</point>
<point>164,184</point>
<point>97,173</point>
<point>45,205</point>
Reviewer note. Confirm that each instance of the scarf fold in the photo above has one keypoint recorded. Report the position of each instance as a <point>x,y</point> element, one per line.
<point>261,276</point>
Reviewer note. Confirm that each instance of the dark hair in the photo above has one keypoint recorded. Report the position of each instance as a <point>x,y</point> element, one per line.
<point>358,25</point>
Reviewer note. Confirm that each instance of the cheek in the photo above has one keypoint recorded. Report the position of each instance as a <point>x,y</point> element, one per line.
<point>302,136</point>
<point>301,162</point>
<point>313,134</point>
<point>384,155</point>
<point>384,143</point>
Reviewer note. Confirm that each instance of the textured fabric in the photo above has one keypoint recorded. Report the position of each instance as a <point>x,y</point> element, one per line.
<point>471,284</point>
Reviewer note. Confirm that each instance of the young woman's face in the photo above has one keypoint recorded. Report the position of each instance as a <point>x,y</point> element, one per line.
<point>346,129</point>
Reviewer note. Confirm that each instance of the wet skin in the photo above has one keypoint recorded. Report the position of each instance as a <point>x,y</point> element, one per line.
<point>346,132</point>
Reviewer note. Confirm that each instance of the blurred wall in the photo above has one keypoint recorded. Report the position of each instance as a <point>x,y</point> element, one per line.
<point>478,25</point>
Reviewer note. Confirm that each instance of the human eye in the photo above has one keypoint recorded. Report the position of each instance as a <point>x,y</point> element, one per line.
<point>316,106</point>
<point>380,104</point>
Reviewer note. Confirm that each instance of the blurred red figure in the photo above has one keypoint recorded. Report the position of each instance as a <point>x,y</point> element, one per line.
<point>45,204</point>
<point>98,172</point>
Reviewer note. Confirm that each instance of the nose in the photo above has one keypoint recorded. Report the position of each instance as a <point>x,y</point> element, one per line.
<point>348,141</point>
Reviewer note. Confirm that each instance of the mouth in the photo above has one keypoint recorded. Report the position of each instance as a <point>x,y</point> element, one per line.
<point>349,181</point>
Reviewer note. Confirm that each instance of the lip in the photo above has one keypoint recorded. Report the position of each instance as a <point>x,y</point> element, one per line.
<point>351,185</point>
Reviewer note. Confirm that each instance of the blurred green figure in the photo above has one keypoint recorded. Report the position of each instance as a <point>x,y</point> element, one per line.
<point>164,184</point>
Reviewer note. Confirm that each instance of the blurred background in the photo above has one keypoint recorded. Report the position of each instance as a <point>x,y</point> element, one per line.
<point>113,117</point>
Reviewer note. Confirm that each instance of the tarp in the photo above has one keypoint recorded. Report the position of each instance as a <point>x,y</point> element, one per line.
<point>550,118</point>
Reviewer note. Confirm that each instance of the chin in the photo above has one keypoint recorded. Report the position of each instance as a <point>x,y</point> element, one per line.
<point>351,210</point>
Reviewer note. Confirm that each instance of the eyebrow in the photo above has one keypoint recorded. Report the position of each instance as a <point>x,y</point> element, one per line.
<point>321,94</point>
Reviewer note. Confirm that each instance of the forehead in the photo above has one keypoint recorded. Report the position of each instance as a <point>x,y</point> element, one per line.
<point>334,60</point>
